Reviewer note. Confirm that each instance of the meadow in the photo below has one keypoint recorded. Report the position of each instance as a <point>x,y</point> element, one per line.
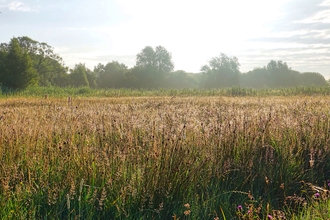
<point>164,157</point>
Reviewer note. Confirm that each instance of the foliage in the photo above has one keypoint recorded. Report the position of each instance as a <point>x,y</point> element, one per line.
<point>180,80</point>
<point>126,92</point>
<point>277,74</point>
<point>112,75</point>
<point>48,65</point>
<point>311,78</point>
<point>16,68</point>
<point>148,78</point>
<point>151,68</point>
<point>78,76</point>
<point>222,71</point>
<point>91,78</point>
<point>154,70</point>
<point>159,59</point>
<point>257,78</point>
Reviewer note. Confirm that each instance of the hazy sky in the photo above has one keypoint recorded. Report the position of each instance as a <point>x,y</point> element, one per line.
<point>255,31</point>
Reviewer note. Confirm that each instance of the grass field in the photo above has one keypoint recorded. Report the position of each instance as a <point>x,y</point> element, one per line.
<point>165,157</point>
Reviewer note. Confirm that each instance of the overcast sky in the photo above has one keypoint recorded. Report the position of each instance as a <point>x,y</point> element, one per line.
<point>255,31</point>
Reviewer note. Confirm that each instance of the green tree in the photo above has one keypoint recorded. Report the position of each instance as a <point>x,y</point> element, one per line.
<point>111,75</point>
<point>281,75</point>
<point>160,59</point>
<point>49,65</point>
<point>163,59</point>
<point>99,70</point>
<point>257,78</point>
<point>17,70</point>
<point>180,80</point>
<point>312,79</point>
<point>146,58</point>
<point>222,71</point>
<point>78,75</point>
<point>3,55</point>
<point>151,68</point>
<point>91,78</point>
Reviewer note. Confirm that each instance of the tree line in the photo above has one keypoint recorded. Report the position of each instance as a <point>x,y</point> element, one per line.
<point>26,62</point>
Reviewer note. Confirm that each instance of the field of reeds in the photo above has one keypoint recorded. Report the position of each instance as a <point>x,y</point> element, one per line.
<point>125,92</point>
<point>165,157</point>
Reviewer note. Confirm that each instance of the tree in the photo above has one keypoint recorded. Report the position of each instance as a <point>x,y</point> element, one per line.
<point>111,75</point>
<point>312,79</point>
<point>163,59</point>
<point>49,65</point>
<point>222,71</point>
<point>78,75</point>
<point>17,69</point>
<point>3,55</point>
<point>91,78</point>
<point>180,80</point>
<point>281,75</point>
<point>146,58</point>
<point>160,59</point>
<point>99,70</point>
<point>151,68</point>
<point>257,78</point>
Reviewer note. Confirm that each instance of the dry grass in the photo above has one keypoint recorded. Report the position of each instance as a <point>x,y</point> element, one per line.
<point>147,157</point>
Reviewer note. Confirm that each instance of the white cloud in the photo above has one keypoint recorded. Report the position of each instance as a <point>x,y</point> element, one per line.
<point>18,6</point>
<point>322,17</point>
<point>325,3</point>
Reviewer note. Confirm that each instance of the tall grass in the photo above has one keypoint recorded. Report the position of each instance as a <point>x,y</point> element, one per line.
<point>163,157</point>
<point>124,92</point>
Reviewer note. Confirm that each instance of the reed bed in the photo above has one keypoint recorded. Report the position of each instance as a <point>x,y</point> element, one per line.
<point>62,92</point>
<point>164,157</point>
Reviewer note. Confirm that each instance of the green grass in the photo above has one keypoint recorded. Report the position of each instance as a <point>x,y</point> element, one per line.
<point>229,92</point>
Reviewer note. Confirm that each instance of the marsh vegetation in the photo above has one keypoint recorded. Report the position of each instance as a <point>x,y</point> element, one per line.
<point>164,157</point>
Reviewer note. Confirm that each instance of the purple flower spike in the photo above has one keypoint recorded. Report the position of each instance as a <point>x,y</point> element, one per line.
<point>270,216</point>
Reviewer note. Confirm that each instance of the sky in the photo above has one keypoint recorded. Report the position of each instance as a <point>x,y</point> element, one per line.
<point>100,31</point>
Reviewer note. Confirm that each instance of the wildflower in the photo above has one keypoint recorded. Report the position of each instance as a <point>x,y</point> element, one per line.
<point>239,208</point>
<point>270,216</point>
<point>187,206</point>
<point>317,195</point>
<point>187,212</point>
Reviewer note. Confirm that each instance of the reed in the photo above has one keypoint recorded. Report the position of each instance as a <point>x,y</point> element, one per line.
<point>164,157</point>
<point>238,91</point>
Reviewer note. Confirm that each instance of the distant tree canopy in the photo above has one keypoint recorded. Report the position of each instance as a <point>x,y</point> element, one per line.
<point>222,71</point>
<point>159,59</point>
<point>78,75</point>
<point>152,67</point>
<point>278,74</point>
<point>25,62</point>
<point>112,75</point>
<point>181,80</point>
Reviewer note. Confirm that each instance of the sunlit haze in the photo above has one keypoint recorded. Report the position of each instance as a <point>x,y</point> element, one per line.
<point>255,31</point>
